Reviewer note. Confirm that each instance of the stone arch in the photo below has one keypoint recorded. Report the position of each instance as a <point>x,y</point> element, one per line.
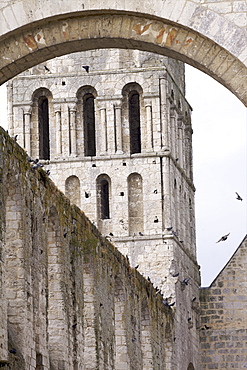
<point>184,37</point>
<point>41,125</point>
<point>72,189</point>
<point>135,203</point>
<point>132,106</point>
<point>86,96</point>
<point>56,312</point>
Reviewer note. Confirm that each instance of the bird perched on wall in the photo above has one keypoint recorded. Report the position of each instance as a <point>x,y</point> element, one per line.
<point>47,69</point>
<point>37,165</point>
<point>186,281</point>
<point>86,68</point>
<point>140,233</point>
<point>15,137</point>
<point>169,228</point>
<point>223,238</point>
<point>238,196</point>
<point>34,160</point>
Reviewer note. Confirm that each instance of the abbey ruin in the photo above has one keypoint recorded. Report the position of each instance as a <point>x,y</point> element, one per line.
<point>105,276</point>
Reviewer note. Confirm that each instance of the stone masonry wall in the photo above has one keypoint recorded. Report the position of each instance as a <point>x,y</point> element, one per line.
<point>223,330</point>
<point>69,299</point>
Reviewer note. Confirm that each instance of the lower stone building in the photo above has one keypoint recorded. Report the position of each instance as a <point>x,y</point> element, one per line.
<point>223,330</point>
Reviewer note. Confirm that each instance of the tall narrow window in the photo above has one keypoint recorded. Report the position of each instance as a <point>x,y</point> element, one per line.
<point>103,195</point>
<point>134,122</point>
<point>89,125</point>
<point>104,199</point>
<point>43,117</point>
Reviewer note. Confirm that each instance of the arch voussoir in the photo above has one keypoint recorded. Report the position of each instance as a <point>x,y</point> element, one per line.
<point>24,49</point>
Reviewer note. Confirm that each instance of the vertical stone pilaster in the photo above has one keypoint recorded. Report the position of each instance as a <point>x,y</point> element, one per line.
<point>167,217</point>
<point>180,142</point>
<point>58,130</point>
<point>72,120</point>
<point>164,114</point>
<point>27,128</point>
<point>118,128</point>
<point>103,130</point>
<point>173,132</point>
<point>149,121</point>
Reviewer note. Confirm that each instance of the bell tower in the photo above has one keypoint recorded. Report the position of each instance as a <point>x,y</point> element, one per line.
<point>114,129</point>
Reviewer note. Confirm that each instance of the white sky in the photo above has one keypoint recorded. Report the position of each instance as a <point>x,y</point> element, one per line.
<point>220,166</point>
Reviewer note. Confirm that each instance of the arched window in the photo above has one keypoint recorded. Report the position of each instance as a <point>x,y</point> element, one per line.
<point>135,199</point>
<point>89,125</point>
<point>103,190</point>
<point>191,367</point>
<point>134,122</point>
<point>43,118</point>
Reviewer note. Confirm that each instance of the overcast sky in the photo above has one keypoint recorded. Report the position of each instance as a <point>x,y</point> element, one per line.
<point>219,146</point>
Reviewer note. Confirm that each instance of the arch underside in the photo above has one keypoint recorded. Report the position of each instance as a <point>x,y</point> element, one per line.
<point>36,43</point>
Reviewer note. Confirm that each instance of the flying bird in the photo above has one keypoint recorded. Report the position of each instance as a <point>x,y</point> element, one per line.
<point>223,238</point>
<point>169,228</point>
<point>238,196</point>
<point>86,68</point>
<point>136,267</point>
<point>140,233</point>
<point>175,274</point>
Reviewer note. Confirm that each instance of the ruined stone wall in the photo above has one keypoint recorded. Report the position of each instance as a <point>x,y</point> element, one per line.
<point>223,327</point>
<point>69,299</point>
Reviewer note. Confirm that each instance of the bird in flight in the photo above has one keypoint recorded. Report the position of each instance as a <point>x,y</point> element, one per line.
<point>238,196</point>
<point>86,68</point>
<point>223,238</point>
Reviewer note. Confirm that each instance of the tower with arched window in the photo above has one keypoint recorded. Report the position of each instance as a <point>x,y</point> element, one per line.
<point>117,140</point>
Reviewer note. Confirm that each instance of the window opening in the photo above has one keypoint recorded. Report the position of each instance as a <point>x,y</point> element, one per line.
<point>43,117</point>
<point>104,199</point>
<point>134,122</point>
<point>89,125</point>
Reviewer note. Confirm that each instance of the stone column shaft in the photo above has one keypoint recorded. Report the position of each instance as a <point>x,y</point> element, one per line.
<point>58,131</point>
<point>73,148</point>
<point>103,131</point>
<point>27,131</point>
<point>164,114</point>
<point>118,127</point>
<point>149,127</point>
